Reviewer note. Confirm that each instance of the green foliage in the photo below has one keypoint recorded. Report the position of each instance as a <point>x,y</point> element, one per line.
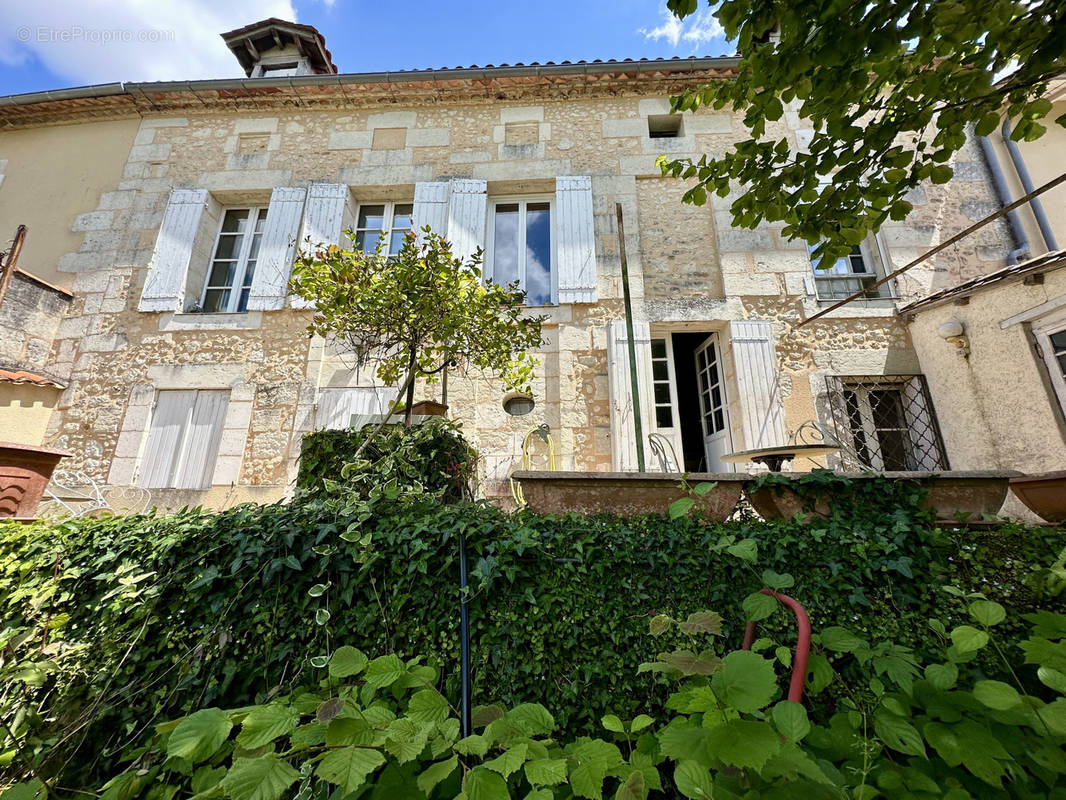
<point>113,625</point>
<point>417,312</point>
<point>729,738</point>
<point>432,457</point>
<point>888,90</point>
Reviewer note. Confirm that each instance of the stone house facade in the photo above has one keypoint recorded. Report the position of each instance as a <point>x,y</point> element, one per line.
<point>187,367</point>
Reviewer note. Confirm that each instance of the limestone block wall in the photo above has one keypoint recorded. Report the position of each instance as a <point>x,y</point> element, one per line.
<point>687,267</point>
<point>29,316</point>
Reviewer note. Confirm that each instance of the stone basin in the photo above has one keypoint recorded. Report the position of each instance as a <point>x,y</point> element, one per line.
<point>1044,493</point>
<point>627,493</point>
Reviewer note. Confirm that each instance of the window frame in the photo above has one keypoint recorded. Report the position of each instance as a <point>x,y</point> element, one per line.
<point>389,215</point>
<point>180,458</point>
<point>1043,330</point>
<point>873,256</point>
<point>490,240</point>
<point>239,275</point>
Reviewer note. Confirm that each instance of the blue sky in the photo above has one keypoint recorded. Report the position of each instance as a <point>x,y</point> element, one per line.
<point>50,44</point>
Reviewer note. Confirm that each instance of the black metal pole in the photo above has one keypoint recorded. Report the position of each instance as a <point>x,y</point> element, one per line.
<point>464,641</point>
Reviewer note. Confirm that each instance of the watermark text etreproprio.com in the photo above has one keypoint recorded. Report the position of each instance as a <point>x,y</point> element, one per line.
<point>79,33</point>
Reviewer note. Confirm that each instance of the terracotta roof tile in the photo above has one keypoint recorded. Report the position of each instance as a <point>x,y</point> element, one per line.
<point>21,376</point>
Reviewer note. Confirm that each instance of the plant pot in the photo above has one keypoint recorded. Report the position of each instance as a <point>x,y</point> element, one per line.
<point>951,493</point>
<point>626,493</point>
<point>24,474</point>
<point>1044,494</point>
<point>428,408</point>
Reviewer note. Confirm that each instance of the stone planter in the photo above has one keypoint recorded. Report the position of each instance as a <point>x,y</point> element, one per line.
<point>626,493</point>
<point>1044,493</point>
<point>951,493</point>
<point>24,475</point>
<point>428,408</point>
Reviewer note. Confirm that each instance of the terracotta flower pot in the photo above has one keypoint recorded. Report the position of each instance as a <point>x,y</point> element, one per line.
<point>1044,493</point>
<point>626,493</point>
<point>24,474</point>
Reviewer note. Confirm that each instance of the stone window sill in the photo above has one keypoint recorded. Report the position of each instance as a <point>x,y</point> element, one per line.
<point>242,321</point>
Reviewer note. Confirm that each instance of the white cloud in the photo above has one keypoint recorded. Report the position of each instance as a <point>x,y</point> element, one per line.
<point>100,41</point>
<point>697,30</point>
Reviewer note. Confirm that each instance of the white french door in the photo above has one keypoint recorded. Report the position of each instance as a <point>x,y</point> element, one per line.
<point>714,413</point>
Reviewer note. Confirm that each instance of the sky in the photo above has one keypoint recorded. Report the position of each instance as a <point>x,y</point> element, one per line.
<point>53,44</point>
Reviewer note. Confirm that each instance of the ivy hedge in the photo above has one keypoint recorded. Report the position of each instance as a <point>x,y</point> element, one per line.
<point>113,625</point>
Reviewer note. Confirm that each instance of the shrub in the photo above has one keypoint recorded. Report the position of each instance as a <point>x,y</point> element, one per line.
<point>113,625</point>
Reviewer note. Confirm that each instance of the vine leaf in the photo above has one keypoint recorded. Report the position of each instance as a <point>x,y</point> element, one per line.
<point>263,778</point>
<point>898,734</point>
<point>348,767</point>
<point>384,671</point>
<point>968,639</point>
<point>702,622</point>
<point>590,760</point>
<point>791,721</point>
<point>746,681</point>
<point>484,784</point>
<point>264,724</point>
<point>660,624</point>
<point>428,707</point>
<point>692,779</point>
<point>987,612</point>
<point>744,743</point>
<point>347,661</point>
<point>996,695</point>
<point>199,735</point>
<point>436,773</point>
<point>545,771</point>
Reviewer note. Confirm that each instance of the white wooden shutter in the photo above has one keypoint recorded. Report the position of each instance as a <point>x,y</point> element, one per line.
<point>762,414</point>
<point>576,250</point>
<point>431,206</point>
<point>341,408</point>
<point>196,466</point>
<point>466,216</point>
<point>623,438</point>
<point>169,418</point>
<point>277,250</point>
<point>327,206</point>
<point>164,287</point>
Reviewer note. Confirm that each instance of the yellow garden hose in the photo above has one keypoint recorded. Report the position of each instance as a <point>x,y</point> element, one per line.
<point>540,432</point>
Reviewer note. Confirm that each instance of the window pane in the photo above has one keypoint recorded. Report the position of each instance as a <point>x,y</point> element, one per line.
<point>505,244</point>
<point>663,417</point>
<point>538,254</point>
<point>235,221</point>
<point>260,220</point>
<point>403,217</point>
<point>371,217</point>
<point>367,241</point>
<point>242,301</point>
<point>215,300</point>
<point>658,348</point>
<point>1058,340</point>
<point>396,242</point>
<point>659,369</point>
<point>248,275</point>
<point>222,273</point>
<point>228,246</point>
<point>662,393</point>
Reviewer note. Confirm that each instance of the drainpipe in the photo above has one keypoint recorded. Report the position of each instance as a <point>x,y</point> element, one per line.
<point>1003,194</point>
<point>1027,186</point>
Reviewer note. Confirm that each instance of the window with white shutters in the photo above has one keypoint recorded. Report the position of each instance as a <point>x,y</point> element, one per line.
<point>183,439</point>
<point>229,278</point>
<point>520,247</point>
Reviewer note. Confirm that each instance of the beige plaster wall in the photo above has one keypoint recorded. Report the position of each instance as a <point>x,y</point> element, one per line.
<point>24,412</point>
<point>996,407</point>
<point>50,176</point>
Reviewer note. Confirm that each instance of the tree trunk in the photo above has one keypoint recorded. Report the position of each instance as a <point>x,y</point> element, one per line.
<point>410,389</point>
<point>406,389</point>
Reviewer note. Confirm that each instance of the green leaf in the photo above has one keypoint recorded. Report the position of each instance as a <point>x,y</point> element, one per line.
<point>660,624</point>
<point>693,780</point>
<point>704,488</point>
<point>484,784</point>
<point>321,616</point>
<point>199,735</point>
<point>533,718</point>
<point>840,640</point>
<point>612,723</point>
<point>941,173</point>
<point>688,663</point>
<point>968,639</point>
<point>897,733</point>
<point>988,123</point>
<point>347,661</point>
<point>987,612</point>
<point>942,676</point>
<point>633,788</point>
<point>945,740</point>
<point>680,507</point>
<point>777,580</point>
<point>759,606</point>
<point>511,760</point>
<point>1052,678</point>
<point>405,739</point>
<point>428,707</point>
<point>437,773</point>
<point>348,767</point>
<point>996,694</point>
<point>746,681</point>
<point>318,589</point>
<point>264,724</point>
<point>702,622</point>
<point>545,771</point>
<point>590,759</point>
<point>474,745</point>
<point>745,550</point>
<point>263,778</point>
<point>640,722</point>
<point>384,671</point>
<point>744,743</point>
<point>203,779</point>
<point>791,721</point>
